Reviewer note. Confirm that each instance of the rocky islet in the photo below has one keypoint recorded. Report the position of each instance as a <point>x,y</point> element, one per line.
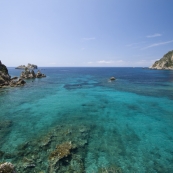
<point>29,66</point>
<point>7,81</point>
<point>30,74</point>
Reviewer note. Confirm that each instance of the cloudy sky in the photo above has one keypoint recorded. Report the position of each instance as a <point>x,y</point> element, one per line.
<point>96,33</point>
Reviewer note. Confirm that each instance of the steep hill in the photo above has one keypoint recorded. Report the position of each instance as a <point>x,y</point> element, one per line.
<point>166,62</point>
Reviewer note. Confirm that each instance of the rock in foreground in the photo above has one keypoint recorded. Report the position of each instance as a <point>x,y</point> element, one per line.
<point>166,62</point>
<point>29,66</point>
<point>6,80</point>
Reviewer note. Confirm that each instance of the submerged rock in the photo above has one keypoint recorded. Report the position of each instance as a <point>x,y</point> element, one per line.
<point>5,128</point>
<point>111,169</point>
<point>7,167</point>
<point>62,150</point>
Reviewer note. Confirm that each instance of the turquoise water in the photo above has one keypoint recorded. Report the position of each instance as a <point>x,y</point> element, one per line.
<point>125,125</point>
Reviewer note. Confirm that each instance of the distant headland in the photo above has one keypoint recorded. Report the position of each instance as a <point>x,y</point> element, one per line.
<point>165,63</point>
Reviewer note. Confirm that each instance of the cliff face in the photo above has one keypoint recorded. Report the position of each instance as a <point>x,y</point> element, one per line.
<point>6,80</point>
<point>3,69</point>
<point>166,62</point>
<point>4,76</point>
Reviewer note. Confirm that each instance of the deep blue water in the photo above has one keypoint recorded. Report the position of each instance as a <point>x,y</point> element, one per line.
<point>130,119</point>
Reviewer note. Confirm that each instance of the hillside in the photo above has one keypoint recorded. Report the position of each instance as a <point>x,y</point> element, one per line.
<point>166,62</point>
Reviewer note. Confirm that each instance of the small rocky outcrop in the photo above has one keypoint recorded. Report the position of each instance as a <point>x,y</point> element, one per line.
<point>6,80</point>
<point>29,66</point>
<point>30,74</point>
<point>112,78</point>
<point>166,62</point>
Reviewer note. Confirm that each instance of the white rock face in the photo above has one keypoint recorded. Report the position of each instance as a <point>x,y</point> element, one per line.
<point>166,62</point>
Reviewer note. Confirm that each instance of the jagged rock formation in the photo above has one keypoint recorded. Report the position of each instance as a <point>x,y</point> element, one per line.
<point>166,62</point>
<point>29,74</point>
<point>29,66</point>
<point>6,80</point>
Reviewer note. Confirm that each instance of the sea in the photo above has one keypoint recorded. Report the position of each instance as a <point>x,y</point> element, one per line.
<point>75,120</point>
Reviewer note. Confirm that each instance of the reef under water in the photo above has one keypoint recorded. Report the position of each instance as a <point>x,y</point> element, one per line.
<point>76,121</point>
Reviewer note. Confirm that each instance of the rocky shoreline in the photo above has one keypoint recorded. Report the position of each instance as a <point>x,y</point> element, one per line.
<point>6,80</point>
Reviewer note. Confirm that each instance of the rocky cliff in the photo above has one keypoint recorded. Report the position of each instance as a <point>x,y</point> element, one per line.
<point>166,62</point>
<point>29,66</point>
<point>6,80</point>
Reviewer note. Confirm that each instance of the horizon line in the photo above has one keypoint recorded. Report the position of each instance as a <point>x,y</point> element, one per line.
<point>83,67</point>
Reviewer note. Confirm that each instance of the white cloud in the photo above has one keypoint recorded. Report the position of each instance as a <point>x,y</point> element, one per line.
<point>154,35</point>
<point>157,44</point>
<point>105,62</point>
<point>90,38</point>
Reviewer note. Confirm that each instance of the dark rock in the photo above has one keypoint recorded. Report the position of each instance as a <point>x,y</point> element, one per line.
<point>14,78</point>
<point>6,80</point>
<point>3,69</point>
<point>112,78</point>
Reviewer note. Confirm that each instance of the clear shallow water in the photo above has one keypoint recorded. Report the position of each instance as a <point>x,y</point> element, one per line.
<point>129,121</point>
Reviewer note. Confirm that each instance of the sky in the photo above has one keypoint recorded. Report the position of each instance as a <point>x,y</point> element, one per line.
<point>85,33</point>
